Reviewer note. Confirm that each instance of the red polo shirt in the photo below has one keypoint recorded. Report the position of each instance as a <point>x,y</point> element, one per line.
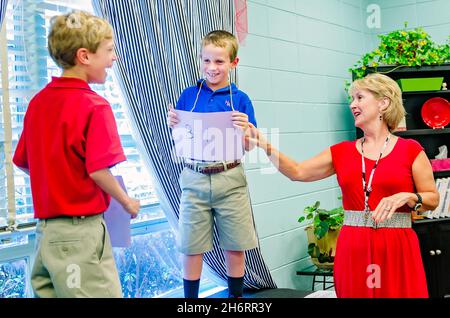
<point>69,131</point>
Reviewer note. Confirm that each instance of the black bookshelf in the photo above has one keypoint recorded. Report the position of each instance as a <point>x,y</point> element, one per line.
<point>428,93</point>
<point>422,132</point>
<point>441,174</point>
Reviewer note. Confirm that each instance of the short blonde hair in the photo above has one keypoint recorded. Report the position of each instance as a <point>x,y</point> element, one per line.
<point>224,39</point>
<point>72,31</point>
<point>382,86</point>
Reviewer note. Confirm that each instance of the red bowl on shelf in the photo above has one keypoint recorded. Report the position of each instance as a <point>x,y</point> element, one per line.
<point>436,112</point>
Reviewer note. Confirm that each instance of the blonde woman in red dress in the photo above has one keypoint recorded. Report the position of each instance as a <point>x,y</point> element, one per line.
<point>383,178</point>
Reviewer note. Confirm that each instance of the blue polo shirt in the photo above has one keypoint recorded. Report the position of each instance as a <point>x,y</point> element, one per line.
<point>216,101</point>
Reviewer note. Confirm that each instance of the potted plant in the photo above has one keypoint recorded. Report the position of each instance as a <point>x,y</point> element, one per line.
<point>402,48</point>
<point>322,233</point>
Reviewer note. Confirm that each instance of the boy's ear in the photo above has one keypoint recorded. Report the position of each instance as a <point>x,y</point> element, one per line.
<point>82,56</point>
<point>235,62</point>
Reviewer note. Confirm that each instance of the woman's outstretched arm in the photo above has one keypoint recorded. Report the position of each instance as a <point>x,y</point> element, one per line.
<point>315,168</point>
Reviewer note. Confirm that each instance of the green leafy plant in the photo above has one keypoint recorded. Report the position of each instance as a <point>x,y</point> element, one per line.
<point>403,48</point>
<point>323,223</point>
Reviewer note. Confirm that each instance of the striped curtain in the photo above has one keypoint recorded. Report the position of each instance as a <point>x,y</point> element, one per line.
<point>158,48</point>
<point>3,4</point>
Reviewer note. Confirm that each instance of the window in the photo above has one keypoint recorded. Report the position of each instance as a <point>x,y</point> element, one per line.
<point>151,266</point>
<point>13,282</point>
<point>3,196</point>
<point>28,75</point>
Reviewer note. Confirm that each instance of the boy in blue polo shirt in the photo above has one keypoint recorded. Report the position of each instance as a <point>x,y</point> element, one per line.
<point>215,190</point>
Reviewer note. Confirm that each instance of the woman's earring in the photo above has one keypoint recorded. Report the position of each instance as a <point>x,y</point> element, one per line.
<point>381,117</point>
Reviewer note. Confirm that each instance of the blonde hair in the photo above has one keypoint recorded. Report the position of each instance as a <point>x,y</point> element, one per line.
<point>382,86</point>
<point>224,39</point>
<point>72,31</point>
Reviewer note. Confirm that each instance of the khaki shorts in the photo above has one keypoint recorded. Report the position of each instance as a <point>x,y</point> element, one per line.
<point>222,197</point>
<point>74,259</point>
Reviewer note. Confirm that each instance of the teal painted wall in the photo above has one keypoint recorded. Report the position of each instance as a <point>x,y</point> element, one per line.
<point>433,16</point>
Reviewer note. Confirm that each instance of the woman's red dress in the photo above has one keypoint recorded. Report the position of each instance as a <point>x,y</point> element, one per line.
<point>383,262</point>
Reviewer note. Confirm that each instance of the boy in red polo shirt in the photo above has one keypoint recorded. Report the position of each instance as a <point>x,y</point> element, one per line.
<point>69,142</point>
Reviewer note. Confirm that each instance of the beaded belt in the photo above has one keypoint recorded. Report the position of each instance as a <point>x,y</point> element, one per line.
<point>362,218</point>
<point>212,168</point>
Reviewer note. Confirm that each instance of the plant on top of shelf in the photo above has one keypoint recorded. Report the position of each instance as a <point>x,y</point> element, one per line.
<point>403,48</point>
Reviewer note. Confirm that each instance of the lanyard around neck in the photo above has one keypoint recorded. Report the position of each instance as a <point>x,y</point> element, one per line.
<point>198,93</point>
<point>367,188</point>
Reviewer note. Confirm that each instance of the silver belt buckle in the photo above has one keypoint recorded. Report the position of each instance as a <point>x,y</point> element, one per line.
<point>375,224</point>
<point>369,221</point>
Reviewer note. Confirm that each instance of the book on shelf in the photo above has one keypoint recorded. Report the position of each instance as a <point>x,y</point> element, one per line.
<point>442,185</point>
<point>446,209</point>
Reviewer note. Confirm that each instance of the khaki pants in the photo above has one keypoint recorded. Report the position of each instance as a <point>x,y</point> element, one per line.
<point>74,259</point>
<point>219,199</point>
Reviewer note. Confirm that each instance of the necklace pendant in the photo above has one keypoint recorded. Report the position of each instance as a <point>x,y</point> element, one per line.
<point>369,189</point>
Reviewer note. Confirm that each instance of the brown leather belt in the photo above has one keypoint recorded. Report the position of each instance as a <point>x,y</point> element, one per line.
<point>214,169</point>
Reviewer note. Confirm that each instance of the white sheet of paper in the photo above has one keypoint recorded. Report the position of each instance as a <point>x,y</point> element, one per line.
<point>207,136</point>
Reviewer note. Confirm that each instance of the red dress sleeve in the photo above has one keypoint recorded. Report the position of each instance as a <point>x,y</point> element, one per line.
<point>340,153</point>
<point>414,148</point>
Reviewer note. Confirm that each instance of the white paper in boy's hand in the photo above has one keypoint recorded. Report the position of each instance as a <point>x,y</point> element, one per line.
<point>207,136</point>
<point>118,221</point>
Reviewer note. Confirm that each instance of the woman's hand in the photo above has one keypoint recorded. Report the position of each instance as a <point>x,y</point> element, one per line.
<point>172,118</point>
<point>254,137</point>
<point>389,205</point>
